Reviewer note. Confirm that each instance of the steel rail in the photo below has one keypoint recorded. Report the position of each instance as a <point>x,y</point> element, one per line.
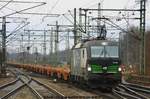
<point>20,78</point>
<point>39,96</point>
<point>12,92</point>
<point>10,83</point>
<point>12,72</point>
<point>124,95</point>
<point>49,88</point>
<point>134,92</point>
<point>18,88</point>
<point>31,88</point>
<point>24,81</point>
<point>144,87</point>
<point>115,92</point>
<point>35,92</point>
<point>138,87</point>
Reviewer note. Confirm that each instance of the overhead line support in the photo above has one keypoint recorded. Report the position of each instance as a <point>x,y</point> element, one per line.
<point>111,9</point>
<point>142,30</point>
<point>3,61</point>
<point>75,28</point>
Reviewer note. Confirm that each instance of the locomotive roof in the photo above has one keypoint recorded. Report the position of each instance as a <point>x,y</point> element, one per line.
<point>95,42</point>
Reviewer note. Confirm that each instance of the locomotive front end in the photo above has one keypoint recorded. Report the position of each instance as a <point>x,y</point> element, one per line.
<point>103,66</point>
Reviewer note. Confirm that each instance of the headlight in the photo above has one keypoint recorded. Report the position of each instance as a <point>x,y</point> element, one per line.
<point>119,69</point>
<point>104,43</point>
<point>104,68</point>
<point>89,69</point>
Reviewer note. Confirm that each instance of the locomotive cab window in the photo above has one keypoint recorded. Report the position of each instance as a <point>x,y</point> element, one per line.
<point>97,51</point>
<point>104,51</point>
<point>111,51</point>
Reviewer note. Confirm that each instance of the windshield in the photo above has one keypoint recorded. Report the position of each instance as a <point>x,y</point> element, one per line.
<point>111,51</point>
<point>104,51</point>
<point>97,51</point>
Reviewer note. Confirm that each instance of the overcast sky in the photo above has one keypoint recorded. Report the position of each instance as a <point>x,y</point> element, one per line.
<point>61,7</point>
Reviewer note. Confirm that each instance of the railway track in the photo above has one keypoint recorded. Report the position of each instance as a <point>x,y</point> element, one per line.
<point>39,90</point>
<point>42,91</point>
<point>11,88</point>
<point>8,84</point>
<point>140,89</point>
<point>126,91</point>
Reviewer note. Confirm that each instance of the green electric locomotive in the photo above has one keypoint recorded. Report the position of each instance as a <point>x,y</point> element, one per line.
<point>96,63</point>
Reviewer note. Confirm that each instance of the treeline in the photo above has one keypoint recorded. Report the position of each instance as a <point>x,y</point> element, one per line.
<point>147,53</point>
<point>61,57</point>
<point>130,45</point>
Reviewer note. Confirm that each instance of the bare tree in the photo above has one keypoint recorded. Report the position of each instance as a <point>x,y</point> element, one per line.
<point>130,47</point>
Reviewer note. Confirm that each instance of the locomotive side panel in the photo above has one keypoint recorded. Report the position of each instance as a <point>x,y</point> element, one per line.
<point>76,61</point>
<point>83,72</point>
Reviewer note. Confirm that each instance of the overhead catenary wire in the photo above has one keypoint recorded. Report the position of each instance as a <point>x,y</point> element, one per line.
<point>136,36</point>
<point>98,1</point>
<point>19,2</point>
<point>24,9</point>
<point>54,6</point>
<point>5,4</point>
<point>14,1</point>
<point>80,28</point>
<point>118,27</point>
<point>8,8</point>
<point>51,9</point>
<point>19,12</point>
<point>72,16</point>
<point>48,13</point>
<point>68,19</point>
<point>14,30</point>
<point>17,31</point>
<point>77,12</point>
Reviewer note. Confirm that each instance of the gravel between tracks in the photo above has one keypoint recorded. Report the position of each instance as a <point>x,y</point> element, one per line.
<point>24,93</point>
<point>67,90</point>
<point>7,79</point>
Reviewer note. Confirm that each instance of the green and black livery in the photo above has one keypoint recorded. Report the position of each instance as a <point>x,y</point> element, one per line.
<point>96,63</point>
